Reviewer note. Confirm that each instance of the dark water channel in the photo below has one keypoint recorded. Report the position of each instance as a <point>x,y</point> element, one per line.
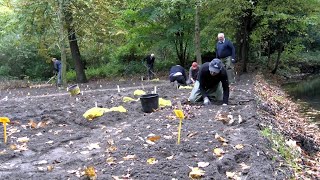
<point>307,93</point>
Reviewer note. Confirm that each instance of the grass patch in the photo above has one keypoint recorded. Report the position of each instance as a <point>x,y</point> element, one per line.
<point>279,145</point>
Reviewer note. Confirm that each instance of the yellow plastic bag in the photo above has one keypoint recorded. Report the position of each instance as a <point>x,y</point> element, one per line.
<point>156,79</point>
<point>185,87</point>
<point>164,103</point>
<point>94,112</point>
<point>97,112</point>
<point>128,99</point>
<point>119,109</point>
<point>139,92</point>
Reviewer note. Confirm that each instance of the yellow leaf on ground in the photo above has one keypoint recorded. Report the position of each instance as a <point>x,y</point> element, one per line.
<point>90,173</point>
<point>203,164</point>
<point>32,124</point>
<point>23,139</point>
<point>218,152</point>
<point>130,157</point>
<point>154,138</point>
<point>220,139</point>
<point>230,174</point>
<point>152,161</point>
<point>111,160</point>
<point>239,146</point>
<point>196,173</point>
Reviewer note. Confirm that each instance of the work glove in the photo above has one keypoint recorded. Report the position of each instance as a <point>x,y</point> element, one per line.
<point>206,101</point>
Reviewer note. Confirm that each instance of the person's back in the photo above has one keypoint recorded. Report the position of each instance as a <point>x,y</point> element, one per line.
<point>177,73</point>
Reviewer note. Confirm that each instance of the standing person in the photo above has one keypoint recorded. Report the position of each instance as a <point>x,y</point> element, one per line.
<point>193,73</point>
<point>212,83</point>
<point>150,61</point>
<point>57,67</point>
<point>177,73</point>
<point>226,52</point>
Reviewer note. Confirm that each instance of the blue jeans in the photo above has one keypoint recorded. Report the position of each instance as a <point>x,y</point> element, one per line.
<point>59,77</point>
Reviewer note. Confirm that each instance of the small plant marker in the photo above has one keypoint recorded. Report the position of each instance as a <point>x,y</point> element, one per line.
<point>4,121</point>
<point>180,115</point>
<point>118,88</point>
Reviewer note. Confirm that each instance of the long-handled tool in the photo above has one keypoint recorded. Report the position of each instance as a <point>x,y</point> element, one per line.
<point>149,69</point>
<point>51,78</point>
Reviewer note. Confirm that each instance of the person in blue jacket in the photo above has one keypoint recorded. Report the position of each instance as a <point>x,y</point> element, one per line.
<point>57,68</point>
<point>225,51</point>
<point>212,84</point>
<point>178,74</point>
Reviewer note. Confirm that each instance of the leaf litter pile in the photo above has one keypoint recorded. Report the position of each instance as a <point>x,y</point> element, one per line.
<point>49,138</point>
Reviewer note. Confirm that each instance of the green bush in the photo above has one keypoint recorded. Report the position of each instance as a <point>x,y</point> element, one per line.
<point>4,70</point>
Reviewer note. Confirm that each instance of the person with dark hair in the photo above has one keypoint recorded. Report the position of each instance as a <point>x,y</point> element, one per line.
<point>212,83</point>
<point>57,68</point>
<point>225,51</point>
<point>178,74</point>
<point>193,73</point>
<point>150,61</point>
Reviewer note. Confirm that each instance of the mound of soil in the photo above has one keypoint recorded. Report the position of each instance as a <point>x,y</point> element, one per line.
<point>48,137</point>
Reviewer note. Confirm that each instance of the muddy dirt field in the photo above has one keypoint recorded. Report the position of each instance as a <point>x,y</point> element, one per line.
<point>48,137</point>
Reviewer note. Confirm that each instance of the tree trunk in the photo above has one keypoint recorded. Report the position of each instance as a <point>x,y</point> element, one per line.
<point>75,52</point>
<point>269,53</point>
<point>197,35</point>
<point>62,43</point>
<point>278,59</point>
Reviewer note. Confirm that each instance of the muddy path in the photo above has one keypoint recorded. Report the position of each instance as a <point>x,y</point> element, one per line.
<point>48,138</point>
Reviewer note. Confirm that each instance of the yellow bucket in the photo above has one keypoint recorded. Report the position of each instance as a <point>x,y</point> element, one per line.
<point>74,90</point>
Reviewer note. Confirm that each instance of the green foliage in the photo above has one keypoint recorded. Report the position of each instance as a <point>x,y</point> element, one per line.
<point>279,145</point>
<point>308,88</point>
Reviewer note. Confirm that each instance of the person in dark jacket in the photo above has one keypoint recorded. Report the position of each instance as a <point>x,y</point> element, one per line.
<point>225,51</point>
<point>150,61</point>
<point>57,68</point>
<point>178,74</point>
<point>193,73</point>
<point>212,83</point>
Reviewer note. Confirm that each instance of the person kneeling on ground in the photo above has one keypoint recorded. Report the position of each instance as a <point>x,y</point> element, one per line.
<point>177,73</point>
<point>193,73</point>
<point>212,78</point>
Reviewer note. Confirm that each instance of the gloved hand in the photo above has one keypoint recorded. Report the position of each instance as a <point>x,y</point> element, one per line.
<point>206,101</point>
<point>233,60</point>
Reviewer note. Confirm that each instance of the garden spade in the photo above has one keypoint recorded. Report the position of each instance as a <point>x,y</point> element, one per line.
<point>51,78</point>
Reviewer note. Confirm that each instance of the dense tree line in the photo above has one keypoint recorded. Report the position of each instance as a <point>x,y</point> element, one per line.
<point>104,36</point>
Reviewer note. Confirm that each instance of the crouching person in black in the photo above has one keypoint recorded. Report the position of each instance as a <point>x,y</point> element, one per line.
<point>212,84</point>
<point>178,74</point>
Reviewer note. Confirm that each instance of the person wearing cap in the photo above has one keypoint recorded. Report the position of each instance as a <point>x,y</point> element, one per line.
<point>193,73</point>
<point>177,73</point>
<point>225,51</point>
<point>57,68</point>
<point>212,83</point>
<point>150,61</point>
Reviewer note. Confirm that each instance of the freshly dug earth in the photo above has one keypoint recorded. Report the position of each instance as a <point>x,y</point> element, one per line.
<point>62,143</point>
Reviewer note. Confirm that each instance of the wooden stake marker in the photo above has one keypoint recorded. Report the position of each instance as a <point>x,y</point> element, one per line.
<point>180,115</point>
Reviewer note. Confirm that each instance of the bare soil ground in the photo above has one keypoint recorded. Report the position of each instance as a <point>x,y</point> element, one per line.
<point>48,138</point>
